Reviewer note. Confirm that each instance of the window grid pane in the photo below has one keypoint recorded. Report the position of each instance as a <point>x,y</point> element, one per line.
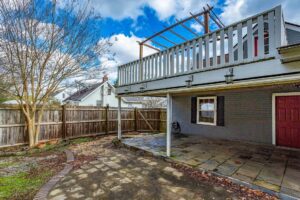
<point>206,110</point>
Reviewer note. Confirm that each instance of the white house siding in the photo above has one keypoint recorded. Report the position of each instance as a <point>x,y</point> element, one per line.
<point>108,100</point>
<point>248,115</point>
<point>61,96</point>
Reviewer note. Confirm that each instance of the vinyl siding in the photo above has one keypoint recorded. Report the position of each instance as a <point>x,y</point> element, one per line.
<point>248,115</point>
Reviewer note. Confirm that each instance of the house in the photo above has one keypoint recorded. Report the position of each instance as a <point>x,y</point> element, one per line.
<point>99,94</point>
<point>63,93</point>
<point>240,82</point>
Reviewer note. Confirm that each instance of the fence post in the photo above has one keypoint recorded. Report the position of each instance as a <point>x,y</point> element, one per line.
<point>135,119</point>
<point>159,122</point>
<point>64,129</point>
<point>106,119</point>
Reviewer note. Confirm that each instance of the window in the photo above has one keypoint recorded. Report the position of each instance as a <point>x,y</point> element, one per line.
<point>207,110</point>
<point>109,91</point>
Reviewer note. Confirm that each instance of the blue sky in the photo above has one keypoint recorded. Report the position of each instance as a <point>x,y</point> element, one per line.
<point>125,22</point>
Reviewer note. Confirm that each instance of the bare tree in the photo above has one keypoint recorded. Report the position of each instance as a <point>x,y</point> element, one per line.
<point>154,102</point>
<point>42,44</point>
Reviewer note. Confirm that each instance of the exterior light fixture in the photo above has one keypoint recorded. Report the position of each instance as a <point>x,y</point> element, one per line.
<point>127,89</point>
<point>229,76</point>
<point>188,83</point>
<point>143,87</point>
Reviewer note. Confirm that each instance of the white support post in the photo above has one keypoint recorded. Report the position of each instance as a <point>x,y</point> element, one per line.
<point>119,119</point>
<point>169,123</point>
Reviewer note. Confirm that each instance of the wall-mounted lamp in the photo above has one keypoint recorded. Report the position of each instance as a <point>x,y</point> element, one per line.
<point>143,87</point>
<point>127,89</point>
<point>229,76</point>
<point>188,83</point>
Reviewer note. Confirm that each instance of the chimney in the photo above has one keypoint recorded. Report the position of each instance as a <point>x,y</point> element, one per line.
<point>105,78</point>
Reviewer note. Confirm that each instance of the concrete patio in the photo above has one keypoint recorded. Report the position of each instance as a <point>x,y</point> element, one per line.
<point>267,167</point>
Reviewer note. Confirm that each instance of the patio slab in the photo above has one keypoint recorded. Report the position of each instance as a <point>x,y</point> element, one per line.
<point>268,167</point>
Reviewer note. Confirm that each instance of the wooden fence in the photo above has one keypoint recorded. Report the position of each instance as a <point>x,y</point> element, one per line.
<point>70,122</point>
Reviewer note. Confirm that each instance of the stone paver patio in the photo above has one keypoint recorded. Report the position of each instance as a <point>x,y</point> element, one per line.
<point>269,167</point>
<point>122,174</point>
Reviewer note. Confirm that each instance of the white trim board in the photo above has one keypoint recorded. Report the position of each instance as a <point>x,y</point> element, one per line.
<point>274,95</point>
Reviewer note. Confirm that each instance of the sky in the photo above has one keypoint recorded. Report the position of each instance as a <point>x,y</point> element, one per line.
<point>125,22</point>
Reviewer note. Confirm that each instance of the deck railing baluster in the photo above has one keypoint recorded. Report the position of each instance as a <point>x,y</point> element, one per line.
<point>188,54</point>
<point>230,45</point>
<point>207,59</point>
<point>177,60</point>
<point>194,56</point>
<point>182,58</point>
<point>240,42</point>
<point>249,40</point>
<point>261,46</point>
<point>222,48</point>
<point>214,58</point>
<point>200,54</point>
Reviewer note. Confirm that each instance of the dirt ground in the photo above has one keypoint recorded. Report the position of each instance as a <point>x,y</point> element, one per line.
<point>104,171</point>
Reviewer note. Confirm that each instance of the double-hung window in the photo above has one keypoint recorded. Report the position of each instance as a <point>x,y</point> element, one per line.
<point>207,110</point>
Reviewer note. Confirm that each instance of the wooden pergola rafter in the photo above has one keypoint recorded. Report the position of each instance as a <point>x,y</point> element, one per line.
<point>206,13</point>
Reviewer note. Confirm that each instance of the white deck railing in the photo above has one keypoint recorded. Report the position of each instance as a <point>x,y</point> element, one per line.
<point>249,40</point>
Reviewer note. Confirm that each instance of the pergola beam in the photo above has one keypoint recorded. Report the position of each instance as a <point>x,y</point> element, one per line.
<point>151,47</point>
<point>176,24</point>
<point>178,35</point>
<point>216,21</point>
<point>197,20</point>
<point>188,29</point>
<point>157,43</point>
<point>216,16</point>
<point>165,38</point>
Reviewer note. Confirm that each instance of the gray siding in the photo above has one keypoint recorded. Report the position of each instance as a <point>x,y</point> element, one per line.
<point>248,116</point>
<point>293,36</point>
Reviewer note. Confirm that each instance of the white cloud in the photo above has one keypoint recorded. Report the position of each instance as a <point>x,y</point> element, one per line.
<point>178,8</point>
<point>126,49</point>
<point>164,9</point>
<point>197,27</point>
<point>235,10</point>
<point>119,9</point>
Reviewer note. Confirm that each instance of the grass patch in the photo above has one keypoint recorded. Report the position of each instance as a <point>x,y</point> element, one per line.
<point>81,140</point>
<point>22,185</point>
<point>49,148</point>
<point>6,164</point>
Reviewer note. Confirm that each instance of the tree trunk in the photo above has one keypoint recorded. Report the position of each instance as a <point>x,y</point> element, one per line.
<point>31,132</point>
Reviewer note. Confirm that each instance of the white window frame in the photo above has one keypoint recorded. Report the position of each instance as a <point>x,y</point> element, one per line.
<point>215,110</point>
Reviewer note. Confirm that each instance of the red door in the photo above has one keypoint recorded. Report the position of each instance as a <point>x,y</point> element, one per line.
<point>288,121</point>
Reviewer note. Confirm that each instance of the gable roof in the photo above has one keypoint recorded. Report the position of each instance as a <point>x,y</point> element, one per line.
<point>81,94</point>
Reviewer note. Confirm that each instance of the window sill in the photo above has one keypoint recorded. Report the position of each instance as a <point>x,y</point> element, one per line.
<point>206,123</point>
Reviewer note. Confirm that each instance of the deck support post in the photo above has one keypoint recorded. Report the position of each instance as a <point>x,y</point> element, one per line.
<point>169,123</point>
<point>119,119</point>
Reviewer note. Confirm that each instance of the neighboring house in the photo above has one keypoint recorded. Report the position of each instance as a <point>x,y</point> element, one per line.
<point>241,82</point>
<point>62,94</point>
<point>99,94</point>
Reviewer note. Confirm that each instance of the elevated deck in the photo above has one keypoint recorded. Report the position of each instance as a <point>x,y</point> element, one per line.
<point>242,51</point>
